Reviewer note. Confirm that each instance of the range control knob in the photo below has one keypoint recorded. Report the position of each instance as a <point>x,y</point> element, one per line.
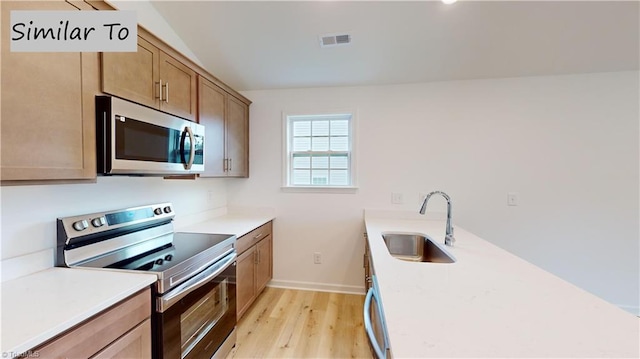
<point>157,211</point>
<point>98,222</point>
<point>81,225</point>
<point>159,261</point>
<point>168,257</point>
<point>167,209</point>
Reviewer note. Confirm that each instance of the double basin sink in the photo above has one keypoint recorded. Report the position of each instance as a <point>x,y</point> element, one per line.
<point>415,247</point>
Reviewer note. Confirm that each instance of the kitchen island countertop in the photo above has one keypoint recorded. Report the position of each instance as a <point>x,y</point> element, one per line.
<point>490,303</point>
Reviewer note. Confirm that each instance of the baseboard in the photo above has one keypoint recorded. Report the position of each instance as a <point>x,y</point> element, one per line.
<point>320,287</point>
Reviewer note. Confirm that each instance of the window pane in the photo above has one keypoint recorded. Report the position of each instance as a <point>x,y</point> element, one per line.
<point>320,144</point>
<point>320,128</point>
<point>339,128</point>
<point>320,150</point>
<point>301,177</point>
<point>339,162</point>
<point>320,162</point>
<point>301,143</point>
<point>320,177</point>
<point>339,143</point>
<point>301,128</point>
<point>339,178</point>
<point>301,161</point>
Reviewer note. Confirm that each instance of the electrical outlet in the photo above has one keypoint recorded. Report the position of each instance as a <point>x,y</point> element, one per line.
<point>397,198</point>
<point>317,258</point>
<point>210,196</point>
<point>512,199</point>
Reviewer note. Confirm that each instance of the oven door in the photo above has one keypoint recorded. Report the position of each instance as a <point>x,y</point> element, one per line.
<point>194,319</point>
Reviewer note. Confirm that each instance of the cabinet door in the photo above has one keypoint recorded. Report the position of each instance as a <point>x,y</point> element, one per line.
<point>133,75</point>
<point>47,108</point>
<point>246,280</point>
<point>179,87</point>
<point>264,268</point>
<point>211,111</point>
<point>135,344</point>
<point>237,138</point>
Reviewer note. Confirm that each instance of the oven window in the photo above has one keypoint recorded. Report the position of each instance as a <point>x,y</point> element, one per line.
<point>197,320</point>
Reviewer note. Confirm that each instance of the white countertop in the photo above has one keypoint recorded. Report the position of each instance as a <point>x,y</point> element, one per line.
<point>231,223</point>
<point>490,303</point>
<point>37,307</point>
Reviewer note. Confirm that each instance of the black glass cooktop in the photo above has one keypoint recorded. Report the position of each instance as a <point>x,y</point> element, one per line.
<point>183,248</point>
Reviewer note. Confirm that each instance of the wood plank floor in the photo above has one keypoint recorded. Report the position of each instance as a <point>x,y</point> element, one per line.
<point>285,323</point>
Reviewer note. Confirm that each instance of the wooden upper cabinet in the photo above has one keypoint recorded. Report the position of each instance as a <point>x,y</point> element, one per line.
<point>47,109</point>
<point>211,114</point>
<point>179,95</point>
<point>133,75</point>
<point>237,138</point>
<point>151,77</point>
<point>226,122</point>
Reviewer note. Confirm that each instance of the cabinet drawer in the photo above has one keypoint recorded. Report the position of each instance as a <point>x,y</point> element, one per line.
<point>99,331</point>
<point>251,238</point>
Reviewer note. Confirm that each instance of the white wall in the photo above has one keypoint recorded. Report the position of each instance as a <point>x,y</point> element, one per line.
<point>568,145</point>
<point>29,213</point>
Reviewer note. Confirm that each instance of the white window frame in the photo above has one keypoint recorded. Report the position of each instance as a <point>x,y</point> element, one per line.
<point>287,156</point>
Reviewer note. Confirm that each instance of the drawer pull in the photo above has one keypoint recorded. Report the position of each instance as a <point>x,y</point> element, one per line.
<point>258,235</point>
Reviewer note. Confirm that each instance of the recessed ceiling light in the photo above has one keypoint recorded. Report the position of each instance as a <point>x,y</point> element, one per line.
<point>449,2</point>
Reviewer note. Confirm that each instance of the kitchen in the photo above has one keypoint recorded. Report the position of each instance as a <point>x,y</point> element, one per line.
<point>566,143</point>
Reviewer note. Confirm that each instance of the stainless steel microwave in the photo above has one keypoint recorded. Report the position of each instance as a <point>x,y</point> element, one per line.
<point>136,140</point>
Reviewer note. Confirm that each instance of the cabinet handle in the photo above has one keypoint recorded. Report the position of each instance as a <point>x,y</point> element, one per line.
<point>230,159</point>
<point>159,91</point>
<point>166,98</point>
<point>258,235</point>
<point>255,257</point>
<point>224,165</point>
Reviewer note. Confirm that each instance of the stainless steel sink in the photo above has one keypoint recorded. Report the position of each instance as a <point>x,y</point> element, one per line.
<point>416,248</point>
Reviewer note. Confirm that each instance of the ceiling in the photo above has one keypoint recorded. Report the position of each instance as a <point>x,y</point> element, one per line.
<point>269,45</point>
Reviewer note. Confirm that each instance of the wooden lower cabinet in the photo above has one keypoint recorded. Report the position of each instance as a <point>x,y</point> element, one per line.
<point>121,331</point>
<point>246,285</point>
<point>264,264</point>
<point>48,107</point>
<point>254,266</point>
<point>134,344</point>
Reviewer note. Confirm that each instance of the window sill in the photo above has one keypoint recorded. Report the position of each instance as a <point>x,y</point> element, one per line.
<point>318,189</point>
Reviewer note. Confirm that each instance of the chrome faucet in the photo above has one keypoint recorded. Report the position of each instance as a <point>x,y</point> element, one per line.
<point>448,238</point>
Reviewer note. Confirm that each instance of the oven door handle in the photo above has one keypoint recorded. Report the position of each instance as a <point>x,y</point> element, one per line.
<point>194,283</point>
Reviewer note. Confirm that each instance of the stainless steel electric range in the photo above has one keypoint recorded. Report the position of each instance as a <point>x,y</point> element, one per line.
<point>194,304</point>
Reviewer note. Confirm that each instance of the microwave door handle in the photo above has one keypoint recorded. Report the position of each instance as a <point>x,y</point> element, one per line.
<point>192,150</point>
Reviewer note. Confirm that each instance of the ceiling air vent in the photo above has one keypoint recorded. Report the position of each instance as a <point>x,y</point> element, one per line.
<point>334,40</point>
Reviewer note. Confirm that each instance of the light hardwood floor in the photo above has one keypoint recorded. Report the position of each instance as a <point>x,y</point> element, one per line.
<point>285,323</point>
